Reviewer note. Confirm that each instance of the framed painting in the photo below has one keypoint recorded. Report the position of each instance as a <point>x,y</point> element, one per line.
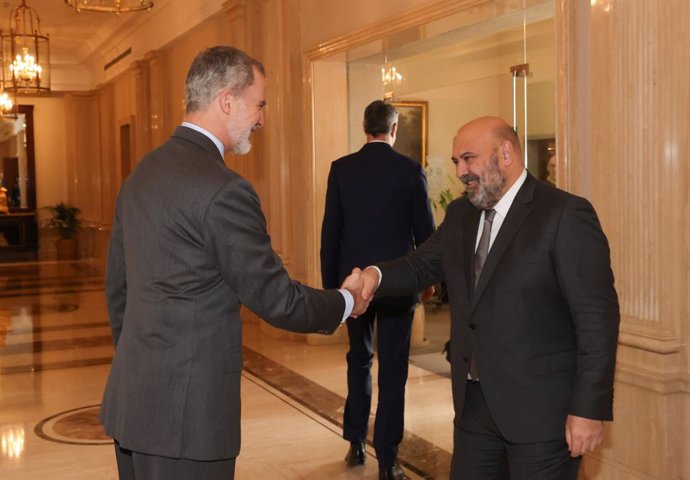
<point>412,129</point>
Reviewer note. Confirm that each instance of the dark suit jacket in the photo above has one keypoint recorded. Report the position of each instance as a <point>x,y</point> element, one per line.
<point>188,248</point>
<point>543,321</point>
<point>377,208</point>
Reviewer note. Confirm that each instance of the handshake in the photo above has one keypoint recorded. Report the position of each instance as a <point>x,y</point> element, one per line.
<point>362,284</point>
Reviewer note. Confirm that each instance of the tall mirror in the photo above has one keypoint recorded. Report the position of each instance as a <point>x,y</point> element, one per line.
<point>18,229</point>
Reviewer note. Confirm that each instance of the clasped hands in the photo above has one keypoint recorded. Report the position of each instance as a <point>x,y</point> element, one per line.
<point>361,284</point>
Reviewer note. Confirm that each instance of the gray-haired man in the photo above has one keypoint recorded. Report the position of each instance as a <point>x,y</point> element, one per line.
<point>179,268</point>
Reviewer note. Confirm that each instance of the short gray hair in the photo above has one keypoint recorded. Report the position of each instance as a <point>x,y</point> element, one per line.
<point>215,69</point>
<point>379,117</point>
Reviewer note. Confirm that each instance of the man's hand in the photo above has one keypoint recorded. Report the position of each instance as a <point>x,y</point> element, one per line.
<point>371,279</point>
<point>355,284</point>
<point>583,434</point>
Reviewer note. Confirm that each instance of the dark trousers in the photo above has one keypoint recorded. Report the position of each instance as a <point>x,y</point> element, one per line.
<point>481,453</point>
<point>393,349</point>
<point>139,466</point>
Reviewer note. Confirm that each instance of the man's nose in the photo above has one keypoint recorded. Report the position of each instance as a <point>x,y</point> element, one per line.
<point>460,168</point>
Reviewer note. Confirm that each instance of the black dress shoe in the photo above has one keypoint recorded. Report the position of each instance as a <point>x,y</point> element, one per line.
<point>357,454</point>
<point>392,473</point>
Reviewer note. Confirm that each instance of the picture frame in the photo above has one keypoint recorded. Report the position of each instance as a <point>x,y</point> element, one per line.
<point>412,138</point>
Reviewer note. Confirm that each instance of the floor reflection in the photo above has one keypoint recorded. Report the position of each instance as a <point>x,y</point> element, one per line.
<point>12,441</point>
<point>55,354</point>
<point>41,325</point>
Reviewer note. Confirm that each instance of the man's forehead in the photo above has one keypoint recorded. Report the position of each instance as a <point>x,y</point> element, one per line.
<point>257,90</point>
<point>464,142</point>
<point>472,139</point>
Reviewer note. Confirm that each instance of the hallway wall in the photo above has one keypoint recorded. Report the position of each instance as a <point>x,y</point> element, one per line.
<point>623,100</point>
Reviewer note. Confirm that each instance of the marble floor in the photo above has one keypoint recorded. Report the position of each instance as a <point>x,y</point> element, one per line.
<point>55,353</point>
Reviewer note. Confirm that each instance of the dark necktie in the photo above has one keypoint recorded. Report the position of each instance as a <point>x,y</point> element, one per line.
<point>483,247</point>
<point>479,259</point>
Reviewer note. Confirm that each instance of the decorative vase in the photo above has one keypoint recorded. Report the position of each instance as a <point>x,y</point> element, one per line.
<point>67,249</point>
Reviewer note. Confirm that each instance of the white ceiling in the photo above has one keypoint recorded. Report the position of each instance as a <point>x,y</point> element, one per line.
<point>82,43</point>
<point>74,36</point>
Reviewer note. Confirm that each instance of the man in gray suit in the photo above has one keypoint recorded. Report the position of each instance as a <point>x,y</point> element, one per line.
<point>188,248</point>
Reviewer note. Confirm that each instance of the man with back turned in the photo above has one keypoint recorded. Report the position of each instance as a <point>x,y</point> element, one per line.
<point>188,248</point>
<point>377,209</point>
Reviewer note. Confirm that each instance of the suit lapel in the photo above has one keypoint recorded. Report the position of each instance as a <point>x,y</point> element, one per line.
<point>517,214</point>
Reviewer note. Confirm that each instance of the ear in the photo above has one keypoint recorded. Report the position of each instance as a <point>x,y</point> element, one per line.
<point>225,101</point>
<point>394,129</point>
<point>506,153</point>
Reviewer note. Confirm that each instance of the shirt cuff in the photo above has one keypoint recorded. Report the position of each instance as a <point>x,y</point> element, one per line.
<point>378,270</point>
<point>349,303</point>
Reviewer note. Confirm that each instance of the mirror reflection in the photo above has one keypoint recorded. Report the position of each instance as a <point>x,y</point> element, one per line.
<point>18,228</point>
<point>13,166</point>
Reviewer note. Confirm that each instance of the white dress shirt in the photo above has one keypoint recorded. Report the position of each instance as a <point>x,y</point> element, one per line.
<point>501,207</point>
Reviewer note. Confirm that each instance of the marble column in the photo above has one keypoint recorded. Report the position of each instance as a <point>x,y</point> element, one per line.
<point>623,98</point>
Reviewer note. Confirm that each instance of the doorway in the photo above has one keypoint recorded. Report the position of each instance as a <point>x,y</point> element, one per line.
<point>457,69</point>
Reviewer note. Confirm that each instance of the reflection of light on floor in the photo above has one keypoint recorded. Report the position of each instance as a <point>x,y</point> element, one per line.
<point>15,319</point>
<point>22,318</point>
<point>12,442</point>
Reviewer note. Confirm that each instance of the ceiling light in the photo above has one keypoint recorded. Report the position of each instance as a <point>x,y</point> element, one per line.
<point>113,6</point>
<point>25,53</point>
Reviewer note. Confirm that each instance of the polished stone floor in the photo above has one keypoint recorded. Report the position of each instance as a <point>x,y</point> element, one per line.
<point>55,353</point>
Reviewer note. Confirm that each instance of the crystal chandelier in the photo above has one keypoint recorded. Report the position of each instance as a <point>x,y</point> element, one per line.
<point>114,6</point>
<point>391,79</point>
<point>25,53</point>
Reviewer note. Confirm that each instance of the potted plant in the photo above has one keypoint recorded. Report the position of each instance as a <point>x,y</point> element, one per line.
<point>65,220</point>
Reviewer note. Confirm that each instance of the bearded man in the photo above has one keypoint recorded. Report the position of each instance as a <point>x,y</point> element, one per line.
<point>534,313</point>
<point>188,247</point>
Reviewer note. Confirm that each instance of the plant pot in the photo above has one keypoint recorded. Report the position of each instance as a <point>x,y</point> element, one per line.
<point>67,249</point>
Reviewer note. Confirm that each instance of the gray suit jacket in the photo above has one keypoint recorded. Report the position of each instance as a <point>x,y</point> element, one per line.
<point>188,248</point>
<point>542,323</point>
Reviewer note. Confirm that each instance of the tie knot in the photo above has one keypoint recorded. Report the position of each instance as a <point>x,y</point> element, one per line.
<point>489,215</point>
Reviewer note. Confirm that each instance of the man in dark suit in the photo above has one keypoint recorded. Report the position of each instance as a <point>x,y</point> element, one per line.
<point>534,313</point>
<point>188,248</point>
<point>377,209</point>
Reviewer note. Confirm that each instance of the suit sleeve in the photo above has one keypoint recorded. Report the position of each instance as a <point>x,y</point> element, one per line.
<point>413,273</point>
<point>241,247</point>
<point>116,278</point>
<point>583,269</point>
<point>422,218</point>
<point>331,233</point>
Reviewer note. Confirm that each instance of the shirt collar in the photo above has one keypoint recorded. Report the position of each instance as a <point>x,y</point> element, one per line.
<point>503,205</point>
<point>211,136</point>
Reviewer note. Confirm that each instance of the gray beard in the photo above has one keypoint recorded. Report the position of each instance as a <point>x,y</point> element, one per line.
<point>491,184</point>
<point>242,147</point>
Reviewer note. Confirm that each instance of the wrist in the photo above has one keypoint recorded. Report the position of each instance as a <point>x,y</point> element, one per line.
<point>376,274</point>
